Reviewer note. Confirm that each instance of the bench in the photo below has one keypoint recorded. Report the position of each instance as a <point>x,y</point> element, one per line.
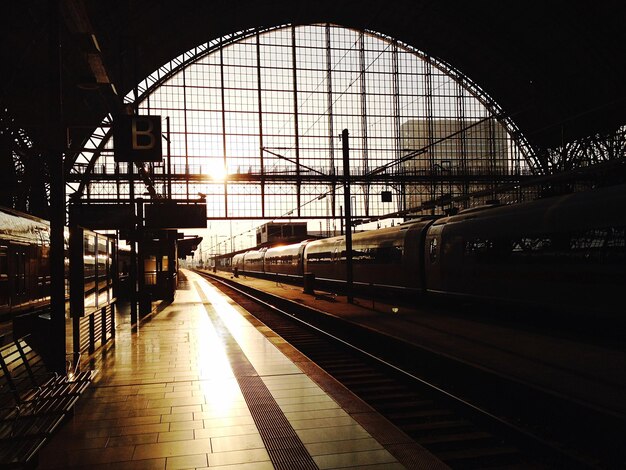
<point>33,402</point>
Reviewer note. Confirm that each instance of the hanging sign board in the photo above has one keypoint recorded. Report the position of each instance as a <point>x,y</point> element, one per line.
<point>137,138</point>
<point>172,215</point>
<point>103,216</point>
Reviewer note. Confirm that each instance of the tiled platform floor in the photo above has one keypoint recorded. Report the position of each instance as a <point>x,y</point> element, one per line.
<point>198,386</point>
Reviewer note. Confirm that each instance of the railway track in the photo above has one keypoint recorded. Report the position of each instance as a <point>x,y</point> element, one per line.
<point>460,434</point>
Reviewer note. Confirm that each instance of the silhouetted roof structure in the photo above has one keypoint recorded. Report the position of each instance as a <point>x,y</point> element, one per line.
<point>557,67</point>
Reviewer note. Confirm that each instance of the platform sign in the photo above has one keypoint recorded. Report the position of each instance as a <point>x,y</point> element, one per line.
<point>137,139</point>
<point>103,216</point>
<point>172,215</point>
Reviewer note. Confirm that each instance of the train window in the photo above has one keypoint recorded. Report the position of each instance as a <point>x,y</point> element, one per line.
<point>19,263</point>
<point>150,270</point>
<point>492,250</point>
<point>432,250</point>
<point>531,244</point>
<point>320,257</point>
<point>593,245</point>
<point>599,244</point>
<point>363,255</point>
<point>617,238</point>
<point>4,262</point>
<point>388,255</point>
<point>478,245</point>
<point>4,275</point>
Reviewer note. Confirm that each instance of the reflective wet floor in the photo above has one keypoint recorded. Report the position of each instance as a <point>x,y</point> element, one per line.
<point>197,386</point>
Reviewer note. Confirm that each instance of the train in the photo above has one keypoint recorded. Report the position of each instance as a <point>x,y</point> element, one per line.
<point>564,253</point>
<point>24,262</point>
<point>561,254</point>
<point>25,265</point>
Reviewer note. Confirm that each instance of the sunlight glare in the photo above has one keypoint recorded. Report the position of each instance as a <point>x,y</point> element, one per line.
<point>216,377</point>
<point>217,171</point>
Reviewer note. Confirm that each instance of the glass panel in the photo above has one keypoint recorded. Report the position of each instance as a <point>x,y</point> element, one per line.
<point>267,118</point>
<point>4,275</point>
<point>150,270</point>
<point>90,266</point>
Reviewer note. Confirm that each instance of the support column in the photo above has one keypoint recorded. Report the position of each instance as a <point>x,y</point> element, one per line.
<point>348,212</point>
<point>132,274</point>
<point>260,99</point>
<point>431,130</point>
<point>331,131</point>
<point>169,158</point>
<point>225,162</point>
<point>296,124</point>
<point>77,281</point>
<point>57,193</point>
<point>364,126</point>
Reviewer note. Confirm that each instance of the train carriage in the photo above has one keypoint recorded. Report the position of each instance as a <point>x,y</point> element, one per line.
<point>24,262</point>
<point>253,261</point>
<point>321,258</point>
<point>25,265</point>
<point>237,262</point>
<point>566,253</point>
<point>285,259</point>
<point>389,258</point>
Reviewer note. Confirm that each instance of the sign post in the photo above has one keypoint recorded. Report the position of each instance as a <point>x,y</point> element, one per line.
<point>348,213</point>
<point>137,138</point>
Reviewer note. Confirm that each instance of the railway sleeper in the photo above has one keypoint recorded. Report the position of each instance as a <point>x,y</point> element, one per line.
<point>454,440</point>
<point>335,358</point>
<point>431,428</point>
<point>365,379</point>
<point>410,415</point>
<point>481,457</point>
<point>344,366</point>
<point>401,406</point>
<point>302,338</point>
<point>360,381</point>
<point>381,400</point>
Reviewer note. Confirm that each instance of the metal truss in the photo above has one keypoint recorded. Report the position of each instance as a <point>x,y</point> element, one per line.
<point>459,140</point>
<point>584,153</point>
<point>25,180</point>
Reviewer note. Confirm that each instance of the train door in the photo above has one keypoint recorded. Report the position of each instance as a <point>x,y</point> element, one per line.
<point>338,266</point>
<point>4,277</point>
<point>413,256</point>
<point>20,273</point>
<point>33,289</point>
<point>300,265</point>
<point>432,259</point>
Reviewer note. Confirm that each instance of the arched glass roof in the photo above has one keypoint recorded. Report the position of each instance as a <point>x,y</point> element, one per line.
<point>255,120</point>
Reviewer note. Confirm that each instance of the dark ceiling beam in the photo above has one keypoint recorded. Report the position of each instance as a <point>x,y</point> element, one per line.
<point>83,34</point>
<point>558,66</point>
<point>96,77</point>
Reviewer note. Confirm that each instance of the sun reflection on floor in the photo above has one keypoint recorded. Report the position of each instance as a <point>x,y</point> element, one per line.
<point>214,372</point>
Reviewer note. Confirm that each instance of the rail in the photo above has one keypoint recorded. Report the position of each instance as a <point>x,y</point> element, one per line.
<point>444,370</point>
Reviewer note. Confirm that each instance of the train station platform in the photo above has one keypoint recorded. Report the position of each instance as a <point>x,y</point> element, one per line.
<point>198,386</point>
<point>550,358</point>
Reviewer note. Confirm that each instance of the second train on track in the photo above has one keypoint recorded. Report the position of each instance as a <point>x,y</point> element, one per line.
<point>565,253</point>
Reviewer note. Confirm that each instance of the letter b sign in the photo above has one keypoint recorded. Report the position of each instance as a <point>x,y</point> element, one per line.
<point>137,138</point>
